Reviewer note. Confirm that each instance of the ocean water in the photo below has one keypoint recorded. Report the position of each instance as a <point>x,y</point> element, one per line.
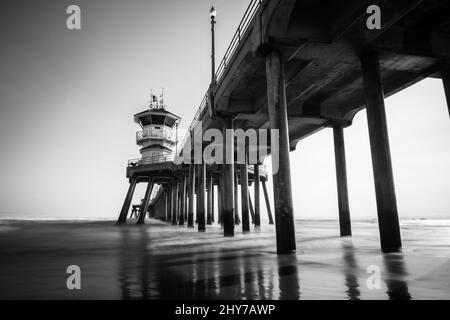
<point>160,261</point>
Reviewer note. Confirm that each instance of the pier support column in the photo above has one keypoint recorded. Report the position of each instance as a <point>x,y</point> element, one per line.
<point>341,179</point>
<point>179,196</point>
<point>237,219</point>
<point>446,82</point>
<point>381,154</point>
<point>201,197</point>
<point>182,200</point>
<point>191,189</point>
<point>266,198</point>
<point>209,208</point>
<point>127,202</point>
<point>244,198</point>
<point>220,198</point>
<point>252,210</point>
<point>146,202</point>
<point>169,203</point>
<point>276,98</point>
<point>212,199</point>
<point>197,187</point>
<point>257,192</point>
<point>174,202</point>
<point>186,196</point>
<point>228,177</point>
<point>166,204</point>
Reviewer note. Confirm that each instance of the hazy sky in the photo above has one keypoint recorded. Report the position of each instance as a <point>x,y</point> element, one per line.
<point>67,100</point>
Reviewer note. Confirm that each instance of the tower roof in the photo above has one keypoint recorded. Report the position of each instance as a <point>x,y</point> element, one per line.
<point>157,116</point>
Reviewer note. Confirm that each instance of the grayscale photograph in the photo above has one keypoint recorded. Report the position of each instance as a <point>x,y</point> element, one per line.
<point>225,150</point>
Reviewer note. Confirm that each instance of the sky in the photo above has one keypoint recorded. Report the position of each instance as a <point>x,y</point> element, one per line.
<point>67,99</point>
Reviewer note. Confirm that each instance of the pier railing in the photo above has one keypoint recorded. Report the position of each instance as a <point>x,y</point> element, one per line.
<point>238,36</point>
<point>159,159</point>
<point>149,160</point>
<point>228,57</point>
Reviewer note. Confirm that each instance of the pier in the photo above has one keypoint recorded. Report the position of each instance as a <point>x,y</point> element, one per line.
<point>297,67</point>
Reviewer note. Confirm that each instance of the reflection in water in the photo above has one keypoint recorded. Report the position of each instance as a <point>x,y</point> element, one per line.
<point>143,255</point>
<point>262,292</point>
<point>205,275</point>
<point>212,273</point>
<point>135,279</point>
<point>397,286</point>
<point>288,279</point>
<point>133,285</point>
<point>124,280</point>
<point>350,270</point>
<point>163,261</point>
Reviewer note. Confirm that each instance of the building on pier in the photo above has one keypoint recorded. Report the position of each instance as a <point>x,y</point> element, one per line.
<point>157,141</point>
<point>157,138</point>
<point>173,188</point>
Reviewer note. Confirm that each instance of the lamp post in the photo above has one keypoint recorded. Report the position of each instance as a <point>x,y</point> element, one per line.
<point>212,14</point>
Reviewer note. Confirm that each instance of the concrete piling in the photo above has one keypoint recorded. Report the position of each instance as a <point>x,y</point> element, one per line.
<point>341,179</point>
<point>276,98</point>
<point>381,155</point>
<point>228,177</point>
<point>266,198</point>
<point>127,202</point>
<point>209,208</point>
<point>201,197</point>
<point>244,198</point>
<point>252,210</point>
<point>145,202</point>
<point>237,219</point>
<point>174,202</point>
<point>191,190</point>
<point>182,200</point>
<point>257,195</point>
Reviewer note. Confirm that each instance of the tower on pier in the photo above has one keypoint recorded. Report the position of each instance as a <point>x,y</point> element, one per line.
<point>158,136</point>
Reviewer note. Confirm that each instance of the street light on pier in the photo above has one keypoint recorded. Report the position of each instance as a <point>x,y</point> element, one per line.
<point>212,14</point>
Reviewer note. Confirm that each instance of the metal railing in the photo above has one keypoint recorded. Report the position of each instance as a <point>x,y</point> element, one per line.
<point>153,134</point>
<point>238,36</point>
<point>149,160</point>
<point>235,41</point>
<point>198,115</point>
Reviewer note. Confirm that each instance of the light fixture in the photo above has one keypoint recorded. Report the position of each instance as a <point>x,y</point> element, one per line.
<point>212,13</point>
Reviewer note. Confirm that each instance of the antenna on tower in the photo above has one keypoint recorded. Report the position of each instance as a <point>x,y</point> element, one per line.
<point>153,100</point>
<point>161,101</point>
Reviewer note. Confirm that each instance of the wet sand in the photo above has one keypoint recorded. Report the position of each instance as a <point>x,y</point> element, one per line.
<point>159,261</point>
